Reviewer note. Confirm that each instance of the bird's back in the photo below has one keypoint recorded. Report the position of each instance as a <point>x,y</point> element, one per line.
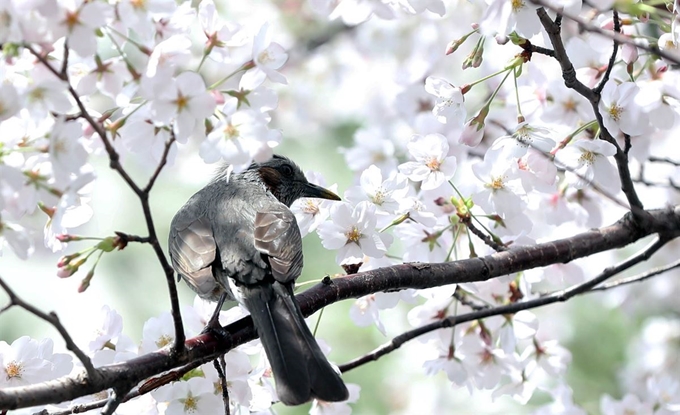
<point>212,236</point>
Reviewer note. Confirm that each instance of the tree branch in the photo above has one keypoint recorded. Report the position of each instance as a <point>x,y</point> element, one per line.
<point>451,321</point>
<point>639,277</point>
<point>612,58</point>
<point>589,27</point>
<point>142,194</point>
<point>554,32</point>
<point>52,318</point>
<point>593,96</point>
<point>205,348</point>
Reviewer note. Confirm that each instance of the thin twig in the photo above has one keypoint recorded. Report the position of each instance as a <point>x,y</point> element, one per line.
<point>569,76</point>
<point>219,364</point>
<point>451,321</point>
<point>612,58</point>
<point>52,318</point>
<point>639,277</point>
<point>161,164</point>
<point>132,238</point>
<point>143,195</point>
<point>623,39</point>
<point>542,51</point>
<point>481,235</point>
<point>117,397</point>
<point>461,296</point>
<point>554,32</point>
<point>64,62</point>
<point>655,159</point>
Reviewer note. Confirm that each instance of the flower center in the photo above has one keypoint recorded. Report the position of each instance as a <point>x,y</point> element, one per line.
<point>569,105</point>
<point>353,235</point>
<point>517,5</point>
<point>587,157</point>
<point>163,341</point>
<point>615,111</point>
<point>264,57</point>
<point>497,183</point>
<point>433,164</point>
<point>310,207</point>
<point>190,404</point>
<point>14,370</point>
<point>138,4</point>
<point>523,136</point>
<point>181,102</point>
<point>231,132</point>
<point>71,19</point>
<point>379,197</point>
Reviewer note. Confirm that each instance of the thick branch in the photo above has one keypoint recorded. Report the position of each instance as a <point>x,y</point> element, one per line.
<point>451,321</point>
<point>205,348</point>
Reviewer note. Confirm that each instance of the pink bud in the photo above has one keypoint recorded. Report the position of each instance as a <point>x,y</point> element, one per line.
<point>219,98</point>
<point>472,134</point>
<point>629,53</point>
<point>65,272</point>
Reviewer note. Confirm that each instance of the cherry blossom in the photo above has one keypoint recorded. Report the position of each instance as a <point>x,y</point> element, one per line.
<point>352,232</point>
<point>78,20</point>
<point>500,193</point>
<point>186,101</point>
<point>268,56</point>
<point>9,101</point>
<point>386,195</point>
<point>524,136</point>
<point>238,137</point>
<point>589,161</point>
<point>195,396</point>
<point>111,327</point>
<point>450,105</point>
<point>433,166</point>
<point>619,111</point>
<point>28,361</point>
<point>312,212</point>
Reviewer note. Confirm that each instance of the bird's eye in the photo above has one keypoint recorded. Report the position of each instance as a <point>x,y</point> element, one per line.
<point>287,170</point>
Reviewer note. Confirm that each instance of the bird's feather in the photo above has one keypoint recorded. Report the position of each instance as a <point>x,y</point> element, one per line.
<point>278,237</point>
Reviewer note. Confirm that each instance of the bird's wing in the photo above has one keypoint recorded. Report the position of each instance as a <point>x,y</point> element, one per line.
<point>193,250</point>
<point>277,235</point>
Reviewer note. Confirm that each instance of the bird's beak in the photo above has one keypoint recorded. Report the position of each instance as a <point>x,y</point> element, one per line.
<point>312,190</point>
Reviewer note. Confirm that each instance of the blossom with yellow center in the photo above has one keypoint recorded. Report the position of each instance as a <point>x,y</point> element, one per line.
<point>190,403</point>
<point>353,235</point>
<point>14,369</point>
<point>588,157</point>
<point>163,341</point>
<point>615,111</point>
<point>517,5</point>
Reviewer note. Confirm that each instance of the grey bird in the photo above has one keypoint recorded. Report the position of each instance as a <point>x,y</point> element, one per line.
<point>237,239</point>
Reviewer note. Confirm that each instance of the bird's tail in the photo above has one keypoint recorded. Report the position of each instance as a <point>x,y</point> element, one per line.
<point>300,368</point>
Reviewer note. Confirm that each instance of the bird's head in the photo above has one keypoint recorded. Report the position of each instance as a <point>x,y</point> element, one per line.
<point>284,179</point>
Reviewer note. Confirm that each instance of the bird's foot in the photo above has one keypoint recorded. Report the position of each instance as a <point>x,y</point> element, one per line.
<point>216,330</point>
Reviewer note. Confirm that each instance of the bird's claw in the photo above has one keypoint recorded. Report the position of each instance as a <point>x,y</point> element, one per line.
<point>216,330</point>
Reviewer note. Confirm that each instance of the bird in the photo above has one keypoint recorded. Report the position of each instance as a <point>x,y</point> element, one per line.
<point>237,239</point>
